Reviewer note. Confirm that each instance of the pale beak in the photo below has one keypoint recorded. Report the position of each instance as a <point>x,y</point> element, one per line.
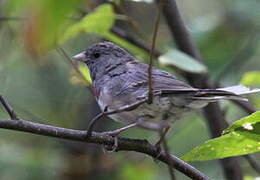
<point>80,57</point>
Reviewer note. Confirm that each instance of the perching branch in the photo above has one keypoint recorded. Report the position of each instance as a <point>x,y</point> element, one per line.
<point>124,144</point>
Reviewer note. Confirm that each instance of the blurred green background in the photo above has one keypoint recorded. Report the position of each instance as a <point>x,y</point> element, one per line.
<point>42,87</point>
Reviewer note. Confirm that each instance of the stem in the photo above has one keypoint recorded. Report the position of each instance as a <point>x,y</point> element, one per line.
<point>150,68</point>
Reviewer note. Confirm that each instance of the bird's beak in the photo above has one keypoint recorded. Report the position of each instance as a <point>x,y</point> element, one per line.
<point>80,57</point>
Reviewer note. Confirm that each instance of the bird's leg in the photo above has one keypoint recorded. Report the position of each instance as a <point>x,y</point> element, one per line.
<point>106,112</point>
<point>166,150</point>
<point>162,136</point>
<point>114,134</point>
<point>162,132</point>
<point>110,149</point>
<point>93,121</point>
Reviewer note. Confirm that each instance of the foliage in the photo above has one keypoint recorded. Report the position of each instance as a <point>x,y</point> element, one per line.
<point>182,61</point>
<point>242,137</point>
<point>99,22</point>
<point>251,78</point>
<point>44,21</point>
<point>75,78</point>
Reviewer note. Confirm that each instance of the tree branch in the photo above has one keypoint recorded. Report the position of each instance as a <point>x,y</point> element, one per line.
<point>124,144</point>
<point>8,108</point>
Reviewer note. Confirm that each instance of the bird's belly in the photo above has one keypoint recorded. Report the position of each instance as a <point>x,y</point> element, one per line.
<point>162,108</point>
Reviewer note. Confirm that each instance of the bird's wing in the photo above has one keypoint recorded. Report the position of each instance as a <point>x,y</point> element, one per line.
<point>136,78</point>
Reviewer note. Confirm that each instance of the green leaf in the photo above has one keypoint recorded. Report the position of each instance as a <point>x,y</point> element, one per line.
<point>44,21</point>
<point>251,78</point>
<point>85,72</point>
<point>76,79</point>
<point>249,178</point>
<point>245,123</point>
<point>233,144</point>
<point>243,138</point>
<point>98,22</point>
<point>182,61</point>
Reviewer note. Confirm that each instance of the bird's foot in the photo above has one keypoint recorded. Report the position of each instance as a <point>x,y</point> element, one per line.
<point>111,148</point>
<point>158,152</point>
<point>115,133</point>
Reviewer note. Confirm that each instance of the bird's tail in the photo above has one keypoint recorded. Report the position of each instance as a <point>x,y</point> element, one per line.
<point>231,93</point>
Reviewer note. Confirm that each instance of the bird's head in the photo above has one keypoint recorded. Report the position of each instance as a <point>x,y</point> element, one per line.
<point>103,57</point>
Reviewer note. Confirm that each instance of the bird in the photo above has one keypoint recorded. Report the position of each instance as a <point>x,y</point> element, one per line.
<point>120,80</point>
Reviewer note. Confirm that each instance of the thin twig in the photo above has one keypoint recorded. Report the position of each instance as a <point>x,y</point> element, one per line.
<point>124,144</point>
<point>94,121</point>
<point>150,68</point>
<point>61,51</point>
<point>8,108</point>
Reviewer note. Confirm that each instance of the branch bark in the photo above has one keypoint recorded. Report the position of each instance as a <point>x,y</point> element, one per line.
<point>124,144</point>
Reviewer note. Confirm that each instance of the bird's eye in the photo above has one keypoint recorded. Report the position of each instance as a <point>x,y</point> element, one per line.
<point>96,55</point>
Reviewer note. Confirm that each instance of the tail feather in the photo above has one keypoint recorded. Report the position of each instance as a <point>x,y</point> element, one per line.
<point>228,93</point>
<point>216,98</point>
<point>211,95</point>
<point>240,90</point>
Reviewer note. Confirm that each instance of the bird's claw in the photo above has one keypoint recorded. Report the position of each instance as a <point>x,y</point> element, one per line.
<point>113,148</point>
<point>158,151</point>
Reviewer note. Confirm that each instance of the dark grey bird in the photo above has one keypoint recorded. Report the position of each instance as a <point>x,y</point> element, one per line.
<point>120,80</point>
